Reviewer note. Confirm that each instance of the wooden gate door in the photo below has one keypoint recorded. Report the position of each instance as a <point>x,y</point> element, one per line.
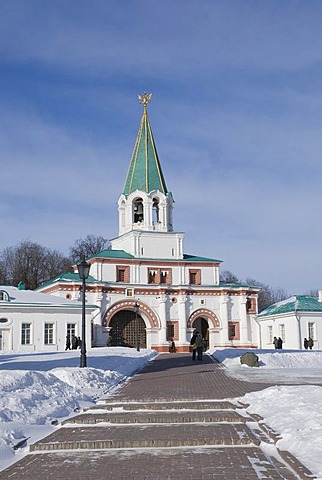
<point>127,330</point>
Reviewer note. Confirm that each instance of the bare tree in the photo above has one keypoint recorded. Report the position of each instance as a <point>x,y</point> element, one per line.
<point>267,295</point>
<point>32,264</point>
<point>88,246</point>
<point>313,292</point>
<point>228,277</point>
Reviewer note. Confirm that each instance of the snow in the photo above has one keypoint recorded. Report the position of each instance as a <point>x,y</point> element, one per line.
<point>38,390</point>
<point>293,409</point>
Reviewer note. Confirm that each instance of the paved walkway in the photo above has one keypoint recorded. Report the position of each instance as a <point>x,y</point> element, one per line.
<point>175,420</point>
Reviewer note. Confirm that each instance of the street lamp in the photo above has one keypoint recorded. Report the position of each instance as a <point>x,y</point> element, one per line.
<point>83,271</point>
<point>136,309</point>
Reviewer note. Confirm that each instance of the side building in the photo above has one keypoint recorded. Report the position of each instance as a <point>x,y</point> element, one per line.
<point>150,293</point>
<point>33,321</point>
<point>294,319</point>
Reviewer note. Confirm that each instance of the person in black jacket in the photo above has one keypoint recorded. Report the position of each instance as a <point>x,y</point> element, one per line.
<point>279,343</point>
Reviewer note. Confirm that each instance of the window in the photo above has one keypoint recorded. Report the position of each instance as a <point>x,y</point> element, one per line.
<point>164,276</point>
<point>250,305</point>
<point>4,297</point>
<point>120,274</point>
<point>157,275</point>
<point>311,330</point>
<point>170,331</point>
<point>25,333</point>
<point>49,334</point>
<point>138,210</point>
<point>233,331</point>
<point>269,334</point>
<point>155,210</point>
<point>71,330</point>
<point>123,274</point>
<point>194,277</point>
<point>4,320</point>
<point>153,276</point>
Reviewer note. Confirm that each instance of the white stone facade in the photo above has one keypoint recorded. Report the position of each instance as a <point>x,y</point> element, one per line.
<point>34,322</point>
<point>149,292</point>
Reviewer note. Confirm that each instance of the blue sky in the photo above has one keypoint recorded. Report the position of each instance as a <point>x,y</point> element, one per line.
<point>235,112</point>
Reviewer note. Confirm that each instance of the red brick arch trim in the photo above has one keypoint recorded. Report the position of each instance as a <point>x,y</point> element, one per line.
<point>145,312</point>
<point>204,312</point>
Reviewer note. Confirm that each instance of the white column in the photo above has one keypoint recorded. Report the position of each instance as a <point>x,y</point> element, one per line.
<point>163,320</point>
<point>182,319</point>
<point>224,319</point>
<point>244,333</point>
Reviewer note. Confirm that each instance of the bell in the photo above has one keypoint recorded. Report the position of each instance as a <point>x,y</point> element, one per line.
<point>139,209</point>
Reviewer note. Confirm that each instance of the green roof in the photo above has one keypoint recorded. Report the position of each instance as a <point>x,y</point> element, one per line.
<point>109,253</point>
<point>298,303</point>
<point>66,277</point>
<point>144,171</point>
<point>237,285</point>
<point>194,258</point>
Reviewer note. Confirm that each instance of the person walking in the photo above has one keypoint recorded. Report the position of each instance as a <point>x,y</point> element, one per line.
<point>310,343</point>
<point>200,346</point>
<point>67,342</point>
<point>74,342</point>
<point>275,341</point>
<point>305,343</point>
<point>279,343</point>
<point>193,344</point>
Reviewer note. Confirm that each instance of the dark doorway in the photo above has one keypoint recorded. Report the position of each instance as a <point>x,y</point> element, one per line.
<point>127,330</point>
<point>201,324</point>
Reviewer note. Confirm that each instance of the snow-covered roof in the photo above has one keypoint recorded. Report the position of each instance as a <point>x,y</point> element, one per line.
<point>297,303</point>
<point>27,297</point>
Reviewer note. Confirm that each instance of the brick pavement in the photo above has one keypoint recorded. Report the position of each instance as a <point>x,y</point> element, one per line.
<point>173,420</point>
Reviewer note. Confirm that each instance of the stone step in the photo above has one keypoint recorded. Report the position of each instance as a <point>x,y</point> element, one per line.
<point>185,405</point>
<point>139,417</point>
<point>147,436</point>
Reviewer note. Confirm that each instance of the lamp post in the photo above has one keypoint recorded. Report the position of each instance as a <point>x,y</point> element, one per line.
<point>136,309</point>
<point>83,271</point>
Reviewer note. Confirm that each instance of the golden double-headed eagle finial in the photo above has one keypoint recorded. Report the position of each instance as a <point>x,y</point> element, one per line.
<point>145,98</point>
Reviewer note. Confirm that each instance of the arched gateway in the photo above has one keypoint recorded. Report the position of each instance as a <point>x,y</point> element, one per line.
<point>127,323</point>
<point>202,320</point>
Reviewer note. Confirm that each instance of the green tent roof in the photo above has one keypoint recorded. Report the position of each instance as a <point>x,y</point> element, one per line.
<point>144,172</point>
<point>298,303</point>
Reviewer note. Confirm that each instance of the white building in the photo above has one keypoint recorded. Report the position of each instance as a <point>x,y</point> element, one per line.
<point>33,321</point>
<point>293,319</point>
<point>149,291</point>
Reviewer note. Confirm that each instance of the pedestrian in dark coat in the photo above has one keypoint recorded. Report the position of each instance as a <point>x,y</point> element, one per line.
<point>279,343</point>
<point>275,341</point>
<point>67,342</point>
<point>305,343</point>
<point>310,343</point>
<point>74,342</point>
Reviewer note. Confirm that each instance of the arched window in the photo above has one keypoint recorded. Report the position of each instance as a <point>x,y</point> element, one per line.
<point>4,297</point>
<point>138,210</point>
<point>155,211</point>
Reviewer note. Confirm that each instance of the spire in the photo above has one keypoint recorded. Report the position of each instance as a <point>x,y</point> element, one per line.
<point>144,172</point>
